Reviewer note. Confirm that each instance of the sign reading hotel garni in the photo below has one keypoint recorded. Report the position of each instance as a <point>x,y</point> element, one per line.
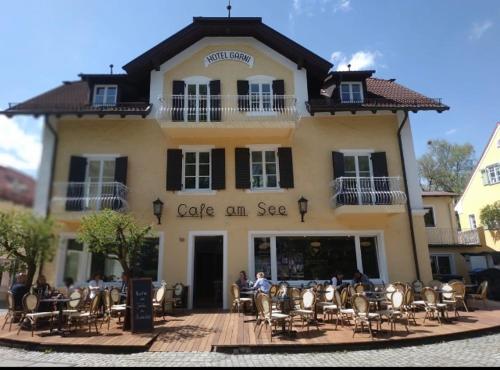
<point>229,55</point>
<point>142,305</point>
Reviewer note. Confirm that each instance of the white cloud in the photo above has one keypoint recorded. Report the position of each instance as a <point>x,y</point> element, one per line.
<point>451,132</point>
<point>20,148</point>
<point>479,29</point>
<point>343,6</point>
<point>311,7</point>
<point>360,60</point>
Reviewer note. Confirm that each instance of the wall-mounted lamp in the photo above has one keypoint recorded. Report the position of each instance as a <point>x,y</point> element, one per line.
<point>158,209</point>
<point>302,207</point>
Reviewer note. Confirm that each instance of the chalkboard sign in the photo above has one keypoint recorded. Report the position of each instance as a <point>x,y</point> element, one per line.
<point>142,305</point>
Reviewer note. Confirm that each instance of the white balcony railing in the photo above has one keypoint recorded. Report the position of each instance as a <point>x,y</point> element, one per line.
<point>367,191</point>
<point>448,236</point>
<point>86,196</point>
<point>227,108</point>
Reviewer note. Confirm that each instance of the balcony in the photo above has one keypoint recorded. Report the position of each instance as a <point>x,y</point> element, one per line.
<point>452,237</point>
<point>228,116</point>
<point>77,197</point>
<point>362,195</point>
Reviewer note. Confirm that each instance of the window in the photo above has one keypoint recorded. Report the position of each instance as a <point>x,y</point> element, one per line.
<point>74,259</point>
<point>264,169</point>
<point>429,217</point>
<point>99,183</point>
<point>198,102</point>
<point>197,170</point>
<point>369,257</point>
<point>261,97</point>
<point>351,92</point>
<point>472,222</point>
<point>358,182</point>
<point>493,174</point>
<point>105,95</point>
<point>262,254</point>
<point>441,264</point>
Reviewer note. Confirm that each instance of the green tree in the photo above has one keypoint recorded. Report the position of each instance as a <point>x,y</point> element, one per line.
<point>490,216</point>
<point>114,234</point>
<point>28,240</point>
<point>446,166</point>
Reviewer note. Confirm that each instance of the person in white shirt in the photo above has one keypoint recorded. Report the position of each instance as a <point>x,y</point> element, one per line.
<point>337,279</point>
<point>96,285</point>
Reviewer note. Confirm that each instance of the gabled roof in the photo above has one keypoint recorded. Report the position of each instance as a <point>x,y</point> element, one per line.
<point>16,187</point>
<point>228,27</point>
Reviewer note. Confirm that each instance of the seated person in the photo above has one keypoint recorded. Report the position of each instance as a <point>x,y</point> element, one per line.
<point>43,291</point>
<point>360,278</point>
<point>19,290</point>
<point>337,281</point>
<point>262,284</point>
<point>242,282</point>
<point>96,285</point>
<point>69,285</point>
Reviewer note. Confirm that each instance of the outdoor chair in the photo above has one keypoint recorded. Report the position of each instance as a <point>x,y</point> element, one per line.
<point>12,313</point>
<point>267,316</point>
<point>359,288</point>
<point>460,293</point>
<point>90,317</point>
<point>333,308</point>
<point>295,297</point>
<point>159,301</point>
<point>396,311</point>
<point>115,296</point>
<point>482,293</point>
<point>327,298</point>
<point>273,291</point>
<point>345,313</point>
<point>432,305</point>
<point>435,284</point>
<point>30,306</point>
<point>409,305</point>
<point>75,303</point>
<point>449,298</point>
<point>117,309</point>
<point>417,287</point>
<point>362,314</point>
<point>306,312</point>
<point>237,300</point>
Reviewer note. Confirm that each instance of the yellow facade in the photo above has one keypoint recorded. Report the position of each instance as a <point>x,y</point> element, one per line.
<point>478,195</point>
<point>312,139</point>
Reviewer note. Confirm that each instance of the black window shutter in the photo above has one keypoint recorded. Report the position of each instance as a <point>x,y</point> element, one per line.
<point>243,95</point>
<point>242,168</point>
<point>121,165</point>
<point>75,192</point>
<point>218,169</point>
<point>286,168</point>
<point>338,164</point>
<point>215,101</point>
<point>382,186</point>
<point>178,100</point>
<point>174,169</point>
<point>279,92</point>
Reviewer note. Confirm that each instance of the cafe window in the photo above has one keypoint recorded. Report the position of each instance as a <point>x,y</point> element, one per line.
<point>429,217</point>
<point>369,257</point>
<point>264,167</point>
<point>262,254</point>
<point>75,256</point>
<point>197,170</point>
<point>441,264</point>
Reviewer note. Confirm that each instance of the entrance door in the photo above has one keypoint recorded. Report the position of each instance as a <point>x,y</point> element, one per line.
<point>208,272</point>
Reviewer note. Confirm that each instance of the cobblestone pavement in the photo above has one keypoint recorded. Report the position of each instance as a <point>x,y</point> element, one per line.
<point>479,351</point>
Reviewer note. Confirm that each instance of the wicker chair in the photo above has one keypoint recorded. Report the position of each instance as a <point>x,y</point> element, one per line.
<point>449,298</point>
<point>237,300</point>
<point>460,293</point>
<point>295,298</point>
<point>362,314</point>
<point>273,291</point>
<point>435,284</point>
<point>345,313</point>
<point>90,317</point>
<point>482,293</point>
<point>117,309</point>
<point>30,306</point>
<point>12,313</point>
<point>306,312</point>
<point>432,305</point>
<point>159,301</point>
<point>409,305</point>
<point>359,288</point>
<point>396,311</point>
<point>267,316</point>
<point>326,298</point>
<point>334,308</point>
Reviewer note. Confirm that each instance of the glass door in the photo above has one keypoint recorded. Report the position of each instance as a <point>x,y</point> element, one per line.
<point>359,184</point>
<point>198,103</point>
<point>98,184</point>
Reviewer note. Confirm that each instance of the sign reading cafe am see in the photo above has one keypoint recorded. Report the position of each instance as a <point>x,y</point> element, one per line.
<point>229,55</point>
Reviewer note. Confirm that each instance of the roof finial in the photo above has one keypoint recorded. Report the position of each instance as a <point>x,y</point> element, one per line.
<point>229,7</point>
<point>111,69</point>
<point>349,66</point>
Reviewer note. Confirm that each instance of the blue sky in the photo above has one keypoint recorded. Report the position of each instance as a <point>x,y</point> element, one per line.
<point>448,49</point>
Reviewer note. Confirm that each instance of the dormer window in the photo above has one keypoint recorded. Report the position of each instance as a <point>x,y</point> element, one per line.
<point>351,92</point>
<point>105,95</point>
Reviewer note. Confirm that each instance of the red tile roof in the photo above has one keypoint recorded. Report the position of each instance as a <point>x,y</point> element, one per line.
<point>16,187</point>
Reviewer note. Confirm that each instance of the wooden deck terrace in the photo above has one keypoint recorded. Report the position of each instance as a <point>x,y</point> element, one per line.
<point>190,331</point>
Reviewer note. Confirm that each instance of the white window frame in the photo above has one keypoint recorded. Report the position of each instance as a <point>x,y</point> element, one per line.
<point>261,80</point>
<point>106,88</point>
<point>263,150</point>
<point>472,221</point>
<point>351,93</point>
<point>493,173</point>
<point>196,80</point>
<point>197,176</point>
<point>356,155</point>
<point>431,209</point>
<point>101,159</point>
<point>377,234</point>
<point>451,258</point>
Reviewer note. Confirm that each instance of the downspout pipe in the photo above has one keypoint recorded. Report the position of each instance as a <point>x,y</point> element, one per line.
<point>408,203</point>
<point>53,162</point>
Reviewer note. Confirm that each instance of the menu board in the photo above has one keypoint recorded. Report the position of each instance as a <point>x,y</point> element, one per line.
<point>142,305</point>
